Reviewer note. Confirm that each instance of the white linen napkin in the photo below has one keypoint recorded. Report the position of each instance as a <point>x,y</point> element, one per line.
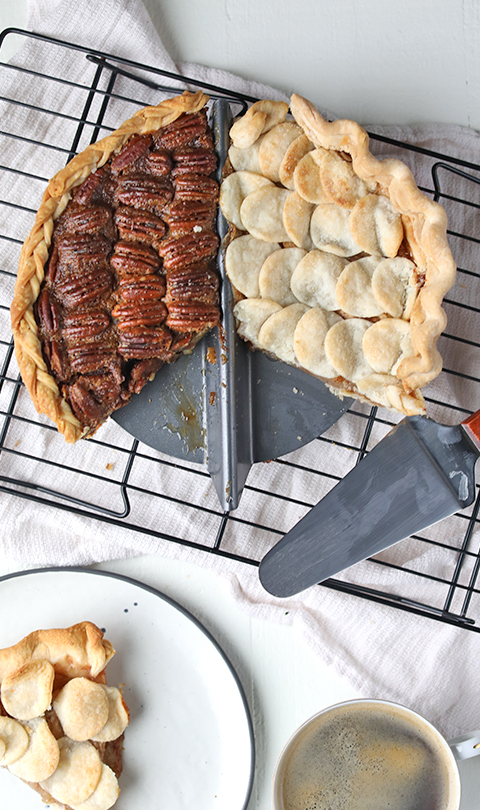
<point>386,653</point>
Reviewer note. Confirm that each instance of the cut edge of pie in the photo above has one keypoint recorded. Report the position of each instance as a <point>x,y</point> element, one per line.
<point>61,726</point>
<point>322,183</point>
<point>40,383</point>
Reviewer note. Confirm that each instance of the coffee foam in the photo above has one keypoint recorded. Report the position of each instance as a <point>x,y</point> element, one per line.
<point>368,757</point>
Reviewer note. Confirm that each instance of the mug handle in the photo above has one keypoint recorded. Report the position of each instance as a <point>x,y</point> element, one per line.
<point>466,746</point>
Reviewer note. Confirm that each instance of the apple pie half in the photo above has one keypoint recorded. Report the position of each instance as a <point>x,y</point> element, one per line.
<point>118,275</point>
<point>339,263</point>
<point>61,726</point>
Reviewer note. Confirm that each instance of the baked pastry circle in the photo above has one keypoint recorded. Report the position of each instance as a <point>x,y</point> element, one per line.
<point>373,253</point>
<point>118,274</point>
<point>79,772</point>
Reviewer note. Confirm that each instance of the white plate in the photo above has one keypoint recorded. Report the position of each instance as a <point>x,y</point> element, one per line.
<point>190,740</point>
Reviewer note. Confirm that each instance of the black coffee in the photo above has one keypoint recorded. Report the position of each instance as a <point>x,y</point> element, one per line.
<point>368,757</point>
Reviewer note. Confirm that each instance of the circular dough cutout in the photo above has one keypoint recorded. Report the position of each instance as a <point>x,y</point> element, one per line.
<point>78,772</point>
<point>14,738</point>
<point>27,692</point>
<point>386,344</point>
<point>277,333</point>
<point>344,348</point>
<point>354,289</point>
<point>306,177</point>
<point>246,160</point>
<point>233,191</point>
<point>243,259</point>
<point>251,314</point>
<point>273,147</point>
<point>309,342</point>
<point>276,274</point>
<point>340,183</point>
<point>117,716</point>
<point>376,226</point>
<point>297,214</point>
<point>314,280</point>
<point>41,758</point>
<point>295,152</point>
<point>105,794</point>
<point>262,213</point>
<point>330,230</point>
<point>82,708</point>
<point>395,287</point>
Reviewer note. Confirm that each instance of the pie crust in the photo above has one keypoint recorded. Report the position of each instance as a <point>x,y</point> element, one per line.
<point>61,726</point>
<point>187,242</point>
<point>338,261</point>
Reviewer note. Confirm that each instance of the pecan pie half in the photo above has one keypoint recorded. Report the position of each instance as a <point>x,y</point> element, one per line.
<point>118,275</point>
<point>340,264</point>
<point>61,726</point>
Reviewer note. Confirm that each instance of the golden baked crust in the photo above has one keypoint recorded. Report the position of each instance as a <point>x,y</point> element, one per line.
<point>40,383</point>
<point>425,224</point>
<point>340,264</point>
<point>61,726</point>
<point>79,650</point>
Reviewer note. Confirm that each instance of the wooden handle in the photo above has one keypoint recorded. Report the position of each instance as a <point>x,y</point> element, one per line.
<point>472,428</point>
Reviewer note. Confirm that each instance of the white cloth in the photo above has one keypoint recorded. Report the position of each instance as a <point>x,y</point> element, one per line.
<point>386,653</point>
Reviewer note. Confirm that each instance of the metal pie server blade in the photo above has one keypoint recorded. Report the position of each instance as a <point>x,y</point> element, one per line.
<point>420,473</point>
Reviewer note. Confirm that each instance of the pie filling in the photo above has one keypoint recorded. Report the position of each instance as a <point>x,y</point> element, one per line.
<point>131,280</point>
<point>331,255</point>
<point>338,261</point>
<point>61,726</point>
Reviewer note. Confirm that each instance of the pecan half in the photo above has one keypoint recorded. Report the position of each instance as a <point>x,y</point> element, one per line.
<point>91,357</point>
<point>183,217</point>
<point>185,130</point>
<point>188,249</point>
<point>159,163</point>
<point>195,282</point>
<point>137,147</point>
<point>149,313</point>
<point>85,326</point>
<point>140,342</point>
<point>195,187</point>
<point>97,188</point>
<point>47,313</point>
<point>133,258</point>
<point>194,160</point>
<point>143,191</point>
<point>140,288</point>
<point>90,284</point>
<point>84,405</point>
<point>89,219</point>
<point>57,359</point>
<point>196,317</point>
<point>76,247</point>
<point>139,226</point>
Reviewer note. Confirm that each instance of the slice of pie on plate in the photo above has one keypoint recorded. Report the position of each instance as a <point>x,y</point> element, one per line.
<point>339,263</point>
<point>118,275</point>
<point>61,726</point>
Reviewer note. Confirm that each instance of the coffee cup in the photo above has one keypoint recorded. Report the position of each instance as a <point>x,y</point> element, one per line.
<point>366,755</point>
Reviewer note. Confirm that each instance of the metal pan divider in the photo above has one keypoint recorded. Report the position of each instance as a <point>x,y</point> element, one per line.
<point>228,414</point>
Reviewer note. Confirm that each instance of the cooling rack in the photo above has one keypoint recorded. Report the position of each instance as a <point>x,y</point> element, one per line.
<point>106,481</point>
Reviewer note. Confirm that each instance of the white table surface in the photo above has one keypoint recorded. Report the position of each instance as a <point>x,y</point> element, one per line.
<point>377,62</point>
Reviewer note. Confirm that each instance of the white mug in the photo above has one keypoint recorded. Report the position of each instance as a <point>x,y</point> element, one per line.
<point>369,754</point>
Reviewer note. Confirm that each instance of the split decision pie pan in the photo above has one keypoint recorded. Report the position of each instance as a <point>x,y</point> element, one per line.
<point>226,406</point>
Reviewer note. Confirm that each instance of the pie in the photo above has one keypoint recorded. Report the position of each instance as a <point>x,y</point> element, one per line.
<point>339,263</point>
<point>61,726</point>
<point>118,275</point>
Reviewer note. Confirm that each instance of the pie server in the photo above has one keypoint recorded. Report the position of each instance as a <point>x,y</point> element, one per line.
<point>420,473</point>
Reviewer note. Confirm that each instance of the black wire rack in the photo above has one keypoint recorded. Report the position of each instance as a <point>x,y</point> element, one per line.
<point>55,478</point>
